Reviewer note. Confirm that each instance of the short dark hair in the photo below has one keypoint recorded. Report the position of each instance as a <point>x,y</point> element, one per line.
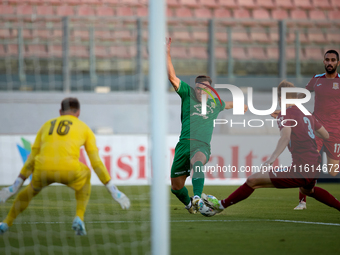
<point>332,52</point>
<point>286,84</point>
<point>203,78</point>
<point>70,103</point>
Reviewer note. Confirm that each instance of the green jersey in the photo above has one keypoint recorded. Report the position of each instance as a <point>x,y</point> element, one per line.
<point>195,125</point>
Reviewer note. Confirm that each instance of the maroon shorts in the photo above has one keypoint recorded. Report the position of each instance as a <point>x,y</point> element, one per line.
<point>331,147</point>
<point>293,177</point>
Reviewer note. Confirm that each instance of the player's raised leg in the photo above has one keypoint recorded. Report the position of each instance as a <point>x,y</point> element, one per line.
<point>20,203</point>
<point>255,181</point>
<point>322,196</point>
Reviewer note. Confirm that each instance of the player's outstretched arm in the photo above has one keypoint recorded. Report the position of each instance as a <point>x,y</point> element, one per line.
<point>171,70</point>
<point>103,175</point>
<point>322,133</point>
<point>281,145</point>
<point>230,105</point>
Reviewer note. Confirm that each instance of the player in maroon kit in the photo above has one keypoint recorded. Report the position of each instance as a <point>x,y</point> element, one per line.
<point>327,111</point>
<point>298,132</point>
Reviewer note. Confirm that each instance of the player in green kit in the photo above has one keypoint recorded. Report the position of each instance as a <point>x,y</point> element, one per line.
<point>193,149</point>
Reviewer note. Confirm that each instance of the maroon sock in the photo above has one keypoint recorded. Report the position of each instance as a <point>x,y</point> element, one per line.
<point>325,197</point>
<point>238,195</point>
<point>302,197</point>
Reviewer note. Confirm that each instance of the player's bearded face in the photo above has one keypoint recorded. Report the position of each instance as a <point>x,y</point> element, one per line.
<point>331,63</point>
<point>199,90</point>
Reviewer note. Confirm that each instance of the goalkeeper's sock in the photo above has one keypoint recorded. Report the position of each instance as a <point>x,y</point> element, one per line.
<point>238,195</point>
<point>182,195</point>
<point>302,197</point>
<point>198,178</point>
<point>20,204</point>
<point>325,197</point>
<point>82,197</point>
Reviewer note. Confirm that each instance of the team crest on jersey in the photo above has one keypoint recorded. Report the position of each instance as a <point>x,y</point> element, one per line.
<point>213,105</point>
<point>335,85</point>
<point>198,108</point>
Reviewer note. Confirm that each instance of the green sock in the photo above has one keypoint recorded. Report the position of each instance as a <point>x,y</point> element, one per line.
<point>182,195</point>
<point>198,178</point>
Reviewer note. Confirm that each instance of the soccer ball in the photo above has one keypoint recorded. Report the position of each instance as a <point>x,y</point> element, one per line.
<point>205,210</point>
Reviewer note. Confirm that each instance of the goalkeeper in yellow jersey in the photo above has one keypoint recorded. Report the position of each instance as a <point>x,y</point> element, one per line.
<point>55,158</point>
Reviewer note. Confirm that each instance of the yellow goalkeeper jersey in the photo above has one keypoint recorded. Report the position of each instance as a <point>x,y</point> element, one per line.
<point>58,143</point>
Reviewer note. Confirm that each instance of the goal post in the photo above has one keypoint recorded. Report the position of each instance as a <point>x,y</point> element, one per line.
<point>159,190</point>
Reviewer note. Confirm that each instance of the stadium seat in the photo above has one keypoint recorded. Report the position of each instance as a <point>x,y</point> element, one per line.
<point>291,37</point>
<point>122,35</point>
<point>227,3</point>
<point>291,53</point>
<point>313,54</point>
<point>200,36</point>
<point>273,35</point>
<point>198,52</point>
<point>27,34</point>
<point>133,3</point>
<point>256,53</point>
<point>333,37</point>
<point>322,4</point>
<point>334,15</point>
<point>179,52</point>
<point>248,4</point>
<point>79,51</point>
<point>221,37</point>
<point>273,53</point>
<point>6,9</point>
<point>72,2</point>
<point>259,35</point>
<point>24,10</point>
<point>120,52</point>
<point>183,36</point>
<point>41,33</point>
<point>241,14</point>
<point>142,11</point>
<point>300,16</point>
<point>173,3</point>
<point>222,13</point>
<point>80,34</point>
<point>203,13</point>
<point>303,4</point>
<point>101,52</point>
<point>65,10</point>
<point>264,17</point>
<point>91,2</point>
<point>12,50</point>
<point>221,53</point>
<point>209,3</point>
<point>53,2</point>
<point>320,17</point>
<point>316,36</point>
<point>5,33</point>
<point>113,2</point>
<point>103,34</point>
<point>44,10</point>
<point>189,3</point>
<point>104,11</point>
<point>240,35</point>
<point>239,53</point>
<point>124,11</point>
<point>268,4</point>
<point>85,10</point>
<point>34,50</point>
<point>183,12</point>
<point>285,4</point>
<point>335,3</point>
<point>55,51</point>
<point>2,49</point>
<point>279,14</point>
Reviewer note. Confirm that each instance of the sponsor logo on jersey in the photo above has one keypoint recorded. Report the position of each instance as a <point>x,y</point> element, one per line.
<point>24,150</point>
<point>335,85</point>
<point>319,85</point>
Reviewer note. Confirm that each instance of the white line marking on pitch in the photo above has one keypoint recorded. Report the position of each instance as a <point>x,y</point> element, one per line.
<point>181,221</point>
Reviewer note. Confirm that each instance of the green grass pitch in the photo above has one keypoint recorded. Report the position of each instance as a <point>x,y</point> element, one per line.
<point>265,223</point>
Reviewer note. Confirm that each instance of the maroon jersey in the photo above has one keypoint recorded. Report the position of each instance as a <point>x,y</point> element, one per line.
<point>327,102</point>
<point>302,143</point>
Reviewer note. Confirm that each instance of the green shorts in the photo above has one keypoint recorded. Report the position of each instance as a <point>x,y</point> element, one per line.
<point>184,151</point>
